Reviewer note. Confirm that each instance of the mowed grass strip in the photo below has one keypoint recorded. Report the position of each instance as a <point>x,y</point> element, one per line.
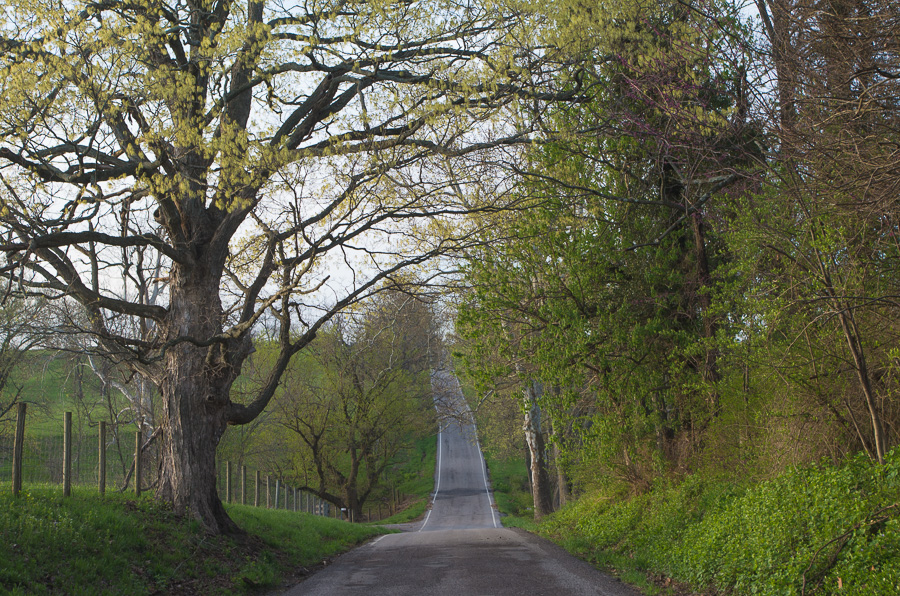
<point>122,545</point>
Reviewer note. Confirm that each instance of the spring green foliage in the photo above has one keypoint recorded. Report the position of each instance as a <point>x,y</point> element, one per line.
<point>185,175</point>
<point>412,477</point>
<point>119,545</point>
<point>706,289</point>
<point>825,523</point>
<point>607,291</point>
<point>367,398</point>
<point>692,299</point>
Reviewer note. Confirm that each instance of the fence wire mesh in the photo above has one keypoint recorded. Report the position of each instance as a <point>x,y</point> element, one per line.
<point>43,464</point>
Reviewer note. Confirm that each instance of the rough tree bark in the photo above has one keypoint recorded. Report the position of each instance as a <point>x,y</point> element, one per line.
<point>541,489</point>
<point>195,396</point>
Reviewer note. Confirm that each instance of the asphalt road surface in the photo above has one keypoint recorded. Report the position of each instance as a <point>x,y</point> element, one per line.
<point>460,548</point>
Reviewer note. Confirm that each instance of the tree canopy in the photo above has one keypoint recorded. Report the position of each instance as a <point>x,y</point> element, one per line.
<point>190,172</point>
<point>709,275</point>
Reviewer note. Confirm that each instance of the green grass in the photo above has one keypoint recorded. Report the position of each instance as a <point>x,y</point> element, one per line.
<point>835,529</point>
<point>411,513</point>
<point>48,386</point>
<point>415,474</point>
<point>509,479</point>
<point>121,545</point>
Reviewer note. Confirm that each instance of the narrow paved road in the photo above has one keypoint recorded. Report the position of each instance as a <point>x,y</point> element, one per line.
<point>459,549</point>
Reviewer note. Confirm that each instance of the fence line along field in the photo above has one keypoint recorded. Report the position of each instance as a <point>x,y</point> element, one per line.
<point>107,409</point>
<point>80,460</point>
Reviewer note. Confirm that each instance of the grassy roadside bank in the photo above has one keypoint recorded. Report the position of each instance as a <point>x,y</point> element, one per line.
<point>820,530</point>
<point>416,474</point>
<point>509,481</point>
<point>122,545</point>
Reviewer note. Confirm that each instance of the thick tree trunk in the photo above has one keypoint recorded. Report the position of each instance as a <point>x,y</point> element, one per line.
<point>351,492</point>
<point>195,393</point>
<point>540,478</point>
<point>710,365</point>
<point>562,480</point>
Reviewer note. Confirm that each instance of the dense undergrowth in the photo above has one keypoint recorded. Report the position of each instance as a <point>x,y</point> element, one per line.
<point>50,544</point>
<point>819,530</point>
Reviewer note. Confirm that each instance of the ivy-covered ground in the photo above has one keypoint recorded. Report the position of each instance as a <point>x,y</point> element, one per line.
<point>820,530</point>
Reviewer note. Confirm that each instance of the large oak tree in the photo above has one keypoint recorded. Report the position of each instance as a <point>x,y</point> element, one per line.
<point>189,171</point>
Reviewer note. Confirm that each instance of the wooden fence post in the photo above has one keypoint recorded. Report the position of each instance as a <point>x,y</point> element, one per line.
<point>137,463</point>
<point>277,491</point>
<point>243,485</point>
<point>67,454</point>
<point>228,482</point>
<point>256,498</point>
<point>268,491</point>
<point>393,499</point>
<point>101,467</point>
<point>18,447</point>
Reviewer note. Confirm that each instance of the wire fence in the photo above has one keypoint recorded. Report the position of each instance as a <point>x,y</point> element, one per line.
<point>43,459</point>
<point>93,457</point>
